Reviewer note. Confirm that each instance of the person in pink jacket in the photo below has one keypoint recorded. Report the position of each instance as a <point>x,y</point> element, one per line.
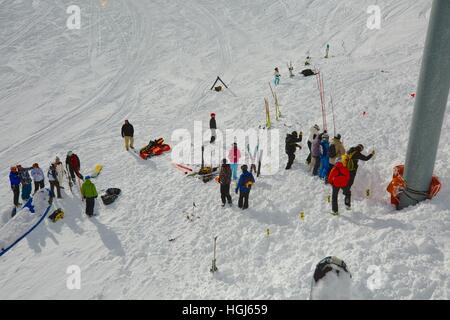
<point>234,155</point>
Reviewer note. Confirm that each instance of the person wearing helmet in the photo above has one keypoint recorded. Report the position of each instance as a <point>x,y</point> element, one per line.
<point>338,178</point>
<point>38,177</point>
<point>14,180</point>
<point>213,127</point>
<point>73,165</point>
<point>291,146</point>
<point>89,192</point>
<point>128,135</point>
<point>246,180</point>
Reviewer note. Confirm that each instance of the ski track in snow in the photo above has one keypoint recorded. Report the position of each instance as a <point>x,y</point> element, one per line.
<point>153,63</point>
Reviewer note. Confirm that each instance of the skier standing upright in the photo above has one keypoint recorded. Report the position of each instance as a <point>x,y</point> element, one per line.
<point>338,178</point>
<point>246,180</point>
<point>234,155</point>
<point>52,176</point>
<point>60,171</point>
<point>291,146</point>
<point>89,192</point>
<point>38,177</point>
<point>14,180</point>
<point>225,181</point>
<point>25,180</point>
<point>213,127</point>
<point>324,157</point>
<point>337,150</point>
<point>277,76</point>
<point>313,132</point>
<point>128,135</point>
<point>73,165</point>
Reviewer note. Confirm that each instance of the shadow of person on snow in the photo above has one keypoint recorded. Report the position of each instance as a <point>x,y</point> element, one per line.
<point>109,238</point>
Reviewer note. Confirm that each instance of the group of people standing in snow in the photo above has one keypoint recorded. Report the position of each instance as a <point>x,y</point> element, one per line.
<point>332,163</point>
<point>21,179</point>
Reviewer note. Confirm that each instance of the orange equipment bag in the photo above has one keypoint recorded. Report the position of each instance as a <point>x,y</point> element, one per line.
<point>398,184</point>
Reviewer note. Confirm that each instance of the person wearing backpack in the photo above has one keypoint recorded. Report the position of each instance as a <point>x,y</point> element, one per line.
<point>291,146</point>
<point>225,182</point>
<point>52,176</point>
<point>337,150</point>
<point>324,158</point>
<point>246,180</point>
<point>89,192</point>
<point>338,178</point>
<point>313,132</point>
<point>350,161</point>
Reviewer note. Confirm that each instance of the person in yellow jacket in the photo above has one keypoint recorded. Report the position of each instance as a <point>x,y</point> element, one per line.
<point>89,192</point>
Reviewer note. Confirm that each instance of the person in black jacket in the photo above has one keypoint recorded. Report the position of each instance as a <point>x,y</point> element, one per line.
<point>213,127</point>
<point>355,155</point>
<point>127,134</point>
<point>291,146</point>
<point>225,182</point>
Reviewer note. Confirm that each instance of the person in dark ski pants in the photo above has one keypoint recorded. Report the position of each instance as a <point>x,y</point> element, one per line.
<point>25,180</point>
<point>338,178</point>
<point>324,157</point>
<point>356,155</point>
<point>73,165</point>
<point>89,192</point>
<point>246,180</point>
<point>14,180</point>
<point>291,146</point>
<point>52,176</point>
<point>315,155</point>
<point>313,132</point>
<point>225,181</point>
<point>38,177</point>
<point>213,127</point>
<point>128,135</point>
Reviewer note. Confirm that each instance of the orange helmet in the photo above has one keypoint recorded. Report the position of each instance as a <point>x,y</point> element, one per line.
<point>13,169</point>
<point>35,165</point>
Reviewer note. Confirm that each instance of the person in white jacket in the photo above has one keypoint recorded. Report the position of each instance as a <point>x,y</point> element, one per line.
<point>38,177</point>
<point>61,172</point>
<point>313,132</point>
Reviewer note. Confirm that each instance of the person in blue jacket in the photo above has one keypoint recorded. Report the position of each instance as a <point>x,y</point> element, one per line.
<point>246,180</point>
<point>15,185</point>
<point>324,157</point>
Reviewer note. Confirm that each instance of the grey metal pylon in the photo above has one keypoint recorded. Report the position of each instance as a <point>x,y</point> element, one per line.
<point>429,108</point>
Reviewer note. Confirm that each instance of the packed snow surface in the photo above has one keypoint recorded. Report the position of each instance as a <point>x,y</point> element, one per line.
<point>153,62</point>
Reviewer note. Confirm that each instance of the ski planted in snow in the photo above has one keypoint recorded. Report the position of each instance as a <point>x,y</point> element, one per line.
<point>214,267</point>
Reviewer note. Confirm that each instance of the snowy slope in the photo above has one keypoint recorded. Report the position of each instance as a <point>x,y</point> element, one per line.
<point>153,62</point>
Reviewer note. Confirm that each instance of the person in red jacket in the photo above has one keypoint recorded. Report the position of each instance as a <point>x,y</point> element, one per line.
<point>338,178</point>
<point>73,165</point>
